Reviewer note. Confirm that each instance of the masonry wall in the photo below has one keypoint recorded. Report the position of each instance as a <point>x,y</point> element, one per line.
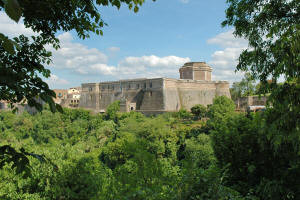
<point>89,98</point>
<point>155,95</point>
<point>187,93</point>
<point>136,94</point>
<point>243,102</point>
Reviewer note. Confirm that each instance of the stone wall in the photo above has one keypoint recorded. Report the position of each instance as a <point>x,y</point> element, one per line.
<point>243,103</point>
<point>136,94</point>
<point>187,93</point>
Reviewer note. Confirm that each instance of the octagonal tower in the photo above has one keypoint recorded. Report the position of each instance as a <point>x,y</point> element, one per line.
<point>196,71</point>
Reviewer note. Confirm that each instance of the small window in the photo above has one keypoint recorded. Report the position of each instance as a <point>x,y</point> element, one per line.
<point>113,87</point>
<point>145,85</point>
<point>150,85</point>
<point>137,86</point>
<point>129,86</point>
<point>150,94</point>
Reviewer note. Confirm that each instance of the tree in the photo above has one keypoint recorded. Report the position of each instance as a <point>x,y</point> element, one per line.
<point>22,61</point>
<point>221,106</point>
<point>272,29</point>
<point>199,110</point>
<point>245,87</point>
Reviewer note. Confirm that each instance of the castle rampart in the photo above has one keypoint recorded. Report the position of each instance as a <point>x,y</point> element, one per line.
<point>157,94</point>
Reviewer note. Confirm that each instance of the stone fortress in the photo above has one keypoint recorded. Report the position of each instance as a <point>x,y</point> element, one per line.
<point>156,95</point>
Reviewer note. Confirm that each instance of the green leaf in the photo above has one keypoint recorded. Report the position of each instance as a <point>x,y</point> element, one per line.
<point>136,9</point>
<point>8,45</point>
<point>59,108</point>
<point>13,10</point>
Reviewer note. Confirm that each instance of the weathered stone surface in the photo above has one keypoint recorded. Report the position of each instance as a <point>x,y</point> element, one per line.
<point>158,94</point>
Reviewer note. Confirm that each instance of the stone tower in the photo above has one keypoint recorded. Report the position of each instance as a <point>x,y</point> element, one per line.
<point>196,71</point>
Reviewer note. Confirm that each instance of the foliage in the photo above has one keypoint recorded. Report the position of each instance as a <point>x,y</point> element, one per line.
<point>23,59</point>
<point>93,157</point>
<point>183,114</point>
<point>244,145</point>
<point>111,111</point>
<point>245,87</point>
<point>199,111</point>
<point>272,29</point>
<point>221,106</point>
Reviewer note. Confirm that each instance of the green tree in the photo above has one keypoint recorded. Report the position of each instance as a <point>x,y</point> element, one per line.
<point>221,107</point>
<point>245,87</point>
<point>272,29</point>
<point>22,59</point>
<point>199,111</point>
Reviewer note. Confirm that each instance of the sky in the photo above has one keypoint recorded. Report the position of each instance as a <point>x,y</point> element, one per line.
<point>155,42</point>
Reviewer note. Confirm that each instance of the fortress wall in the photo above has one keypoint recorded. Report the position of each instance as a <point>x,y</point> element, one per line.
<point>152,97</point>
<point>171,95</point>
<point>89,96</point>
<point>143,94</point>
<point>222,89</point>
<point>187,93</point>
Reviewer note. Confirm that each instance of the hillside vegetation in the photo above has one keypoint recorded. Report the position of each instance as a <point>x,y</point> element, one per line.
<point>214,153</point>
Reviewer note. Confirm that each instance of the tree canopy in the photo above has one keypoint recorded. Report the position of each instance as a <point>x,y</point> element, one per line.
<point>23,60</point>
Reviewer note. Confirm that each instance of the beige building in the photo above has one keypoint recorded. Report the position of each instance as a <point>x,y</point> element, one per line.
<point>158,94</point>
<point>61,94</point>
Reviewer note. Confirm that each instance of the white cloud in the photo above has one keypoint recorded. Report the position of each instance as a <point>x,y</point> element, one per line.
<point>114,49</point>
<point>224,61</point>
<point>55,82</point>
<point>150,66</point>
<point>11,28</point>
<point>78,58</point>
<point>227,39</point>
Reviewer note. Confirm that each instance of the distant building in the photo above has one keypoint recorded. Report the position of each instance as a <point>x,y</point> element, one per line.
<point>250,102</point>
<point>21,107</point>
<point>156,95</point>
<point>60,95</point>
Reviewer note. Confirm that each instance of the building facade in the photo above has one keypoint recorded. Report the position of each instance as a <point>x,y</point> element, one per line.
<point>156,95</point>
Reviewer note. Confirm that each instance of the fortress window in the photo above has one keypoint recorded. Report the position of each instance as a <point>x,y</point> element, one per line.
<point>150,84</point>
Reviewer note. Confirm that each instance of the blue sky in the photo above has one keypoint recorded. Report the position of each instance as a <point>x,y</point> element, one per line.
<point>154,42</point>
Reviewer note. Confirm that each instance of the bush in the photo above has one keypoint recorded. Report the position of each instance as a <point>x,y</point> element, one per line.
<point>244,146</point>
<point>199,111</point>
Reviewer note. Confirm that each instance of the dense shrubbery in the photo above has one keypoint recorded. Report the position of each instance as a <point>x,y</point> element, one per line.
<point>130,156</point>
